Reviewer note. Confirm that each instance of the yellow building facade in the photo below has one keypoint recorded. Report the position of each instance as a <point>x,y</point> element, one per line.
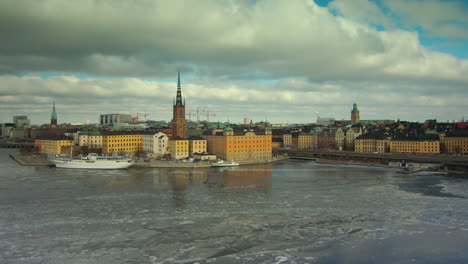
<point>240,146</point>
<point>340,136</point>
<point>415,146</point>
<point>371,145</point>
<point>306,141</point>
<point>287,140</point>
<point>53,145</point>
<point>179,148</point>
<point>456,144</point>
<point>197,145</point>
<point>122,143</point>
<point>351,135</point>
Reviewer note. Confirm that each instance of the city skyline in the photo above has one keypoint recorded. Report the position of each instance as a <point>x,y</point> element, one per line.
<point>284,61</point>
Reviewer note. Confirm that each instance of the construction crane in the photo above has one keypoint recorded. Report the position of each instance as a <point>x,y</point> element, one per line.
<point>145,114</point>
<point>208,116</point>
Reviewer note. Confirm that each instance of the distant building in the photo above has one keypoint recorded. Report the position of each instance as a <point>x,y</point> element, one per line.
<point>110,119</point>
<point>415,146</point>
<point>178,113</point>
<point>371,143</point>
<point>340,138</point>
<point>156,145</point>
<point>351,134</point>
<point>21,121</point>
<point>90,138</point>
<point>122,142</point>
<point>179,148</point>
<point>287,140</point>
<point>197,145</point>
<point>456,142</point>
<point>240,145</point>
<point>6,129</point>
<point>355,118</point>
<point>325,121</point>
<point>326,140</point>
<point>52,144</point>
<point>306,140</point>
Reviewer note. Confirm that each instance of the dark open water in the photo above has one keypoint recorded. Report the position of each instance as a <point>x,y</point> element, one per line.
<point>288,212</point>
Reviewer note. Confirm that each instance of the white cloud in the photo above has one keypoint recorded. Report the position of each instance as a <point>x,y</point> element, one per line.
<point>438,18</point>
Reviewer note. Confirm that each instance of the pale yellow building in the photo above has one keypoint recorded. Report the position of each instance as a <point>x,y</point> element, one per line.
<point>351,135</point>
<point>90,138</point>
<point>242,145</point>
<point>456,143</point>
<point>122,142</point>
<point>287,140</point>
<point>52,145</point>
<point>306,141</point>
<point>179,148</point>
<point>340,136</point>
<point>197,145</point>
<point>367,143</point>
<point>415,146</point>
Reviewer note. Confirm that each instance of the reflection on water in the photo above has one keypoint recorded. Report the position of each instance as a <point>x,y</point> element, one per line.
<point>240,177</point>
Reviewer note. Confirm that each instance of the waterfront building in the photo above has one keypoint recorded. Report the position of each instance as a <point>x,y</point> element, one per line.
<point>306,140</point>
<point>456,142</point>
<point>326,140</point>
<point>53,116</point>
<point>52,144</point>
<point>240,145</point>
<point>122,142</point>
<point>90,138</point>
<point>21,121</point>
<point>110,119</point>
<point>178,113</point>
<point>340,137</point>
<point>197,145</point>
<point>371,143</point>
<point>415,146</point>
<point>351,134</point>
<point>355,118</point>
<point>156,145</point>
<point>287,140</point>
<point>179,148</point>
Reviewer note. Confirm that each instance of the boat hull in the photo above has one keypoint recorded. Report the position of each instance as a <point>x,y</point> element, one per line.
<point>94,165</point>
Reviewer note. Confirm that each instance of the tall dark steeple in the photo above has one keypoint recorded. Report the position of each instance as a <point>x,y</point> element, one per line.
<point>178,115</point>
<point>179,101</point>
<point>53,116</point>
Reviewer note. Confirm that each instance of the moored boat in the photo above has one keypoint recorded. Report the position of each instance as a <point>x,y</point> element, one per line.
<point>222,163</point>
<point>93,161</point>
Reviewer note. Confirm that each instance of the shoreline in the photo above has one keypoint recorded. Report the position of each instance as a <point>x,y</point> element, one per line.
<point>41,160</point>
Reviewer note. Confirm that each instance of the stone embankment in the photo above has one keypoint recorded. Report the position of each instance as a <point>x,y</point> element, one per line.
<point>31,159</point>
<point>448,162</point>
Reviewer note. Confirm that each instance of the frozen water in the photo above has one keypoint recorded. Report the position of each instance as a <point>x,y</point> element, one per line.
<point>289,212</point>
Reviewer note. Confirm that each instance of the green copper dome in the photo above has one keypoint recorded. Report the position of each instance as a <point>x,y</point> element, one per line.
<point>355,109</point>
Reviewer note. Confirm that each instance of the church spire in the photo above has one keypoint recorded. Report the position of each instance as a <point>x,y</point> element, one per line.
<point>179,91</point>
<point>53,116</point>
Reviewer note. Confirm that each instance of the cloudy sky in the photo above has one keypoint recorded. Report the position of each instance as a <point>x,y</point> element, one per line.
<point>285,61</point>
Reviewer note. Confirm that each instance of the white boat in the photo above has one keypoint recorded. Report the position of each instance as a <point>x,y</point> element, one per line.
<point>222,163</point>
<point>93,161</point>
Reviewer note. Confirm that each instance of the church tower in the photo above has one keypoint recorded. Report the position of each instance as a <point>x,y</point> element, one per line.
<point>178,115</point>
<point>53,116</point>
<point>355,119</point>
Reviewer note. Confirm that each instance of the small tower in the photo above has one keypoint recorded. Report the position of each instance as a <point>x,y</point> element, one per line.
<point>178,115</point>
<point>53,116</point>
<point>355,119</point>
